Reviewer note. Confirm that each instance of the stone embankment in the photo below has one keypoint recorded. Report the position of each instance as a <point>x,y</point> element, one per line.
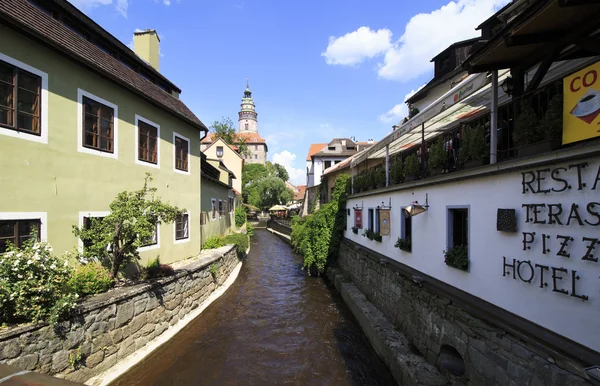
<point>109,327</point>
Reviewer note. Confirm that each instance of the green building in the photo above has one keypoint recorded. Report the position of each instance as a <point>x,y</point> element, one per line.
<point>82,118</point>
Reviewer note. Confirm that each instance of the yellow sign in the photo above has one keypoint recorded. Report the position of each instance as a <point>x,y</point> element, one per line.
<point>581,105</point>
<point>384,222</point>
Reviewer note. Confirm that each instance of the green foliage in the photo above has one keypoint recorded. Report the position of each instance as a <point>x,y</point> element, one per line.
<point>318,236</point>
<point>552,122</point>
<point>34,284</point>
<point>412,112</point>
<point>75,358</point>
<point>268,191</point>
<point>240,216</point>
<point>240,240</point>
<point>355,230</point>
<point>527,125</point>
<point>90,279</point>
<point>277,170</point>
<point>213,242</point>
<point>213,269</point>
<point>457,257</point>
<point>225,130</point>
<point>473,146</point>
<point>155,269</point>
<point>116,238</point>
<point>249,230</point>
<point>397,172</point>
<point>380,177</point>
<point>411,166</point>
<point>372,235</point>
<point>438,158</point>
<point>253,172</point>
<point>403,244</point>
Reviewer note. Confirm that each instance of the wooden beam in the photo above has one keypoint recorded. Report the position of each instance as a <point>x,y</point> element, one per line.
<point>542,71</point>
<point>575,3</point>
<point>536,38</point>
<point>589,44</point>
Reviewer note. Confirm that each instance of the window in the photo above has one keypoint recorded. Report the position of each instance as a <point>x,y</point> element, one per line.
<point>406,230</point>
<point>331,148</point>
<point>20,97</point>
<point>17,232</point>
<point>336,162</point>
<point>213,208</point>
<point>182,149</point>
<point>219,151</point>
<point>87,224</point>
<point>370,220</point>
<point>152,241</point>
<point>327,164</point>
<point>246,126</point>
<point>221,209</point>
<point>255,156</point>
<point>376,225</point>
<point>98,120</point>
<point>182,227</point>
<point>147,142</point>
<point>231,204</point>
<point>458,230</point>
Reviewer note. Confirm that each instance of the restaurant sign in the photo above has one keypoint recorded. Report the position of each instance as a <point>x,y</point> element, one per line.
<point>581,105</point>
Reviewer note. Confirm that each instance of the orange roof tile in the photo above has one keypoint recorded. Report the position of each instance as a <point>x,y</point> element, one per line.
<point>314,148</point>
<point>300,194</point>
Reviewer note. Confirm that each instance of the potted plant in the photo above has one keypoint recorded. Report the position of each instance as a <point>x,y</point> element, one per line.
<point>457,257</point>
<point>380,177</point>
<point>403,244</point>
<point>368,233</point>
<point>552,124</point>
<point>355,230</point>
<point>412,169</point>
<point>377,236</point>
<point>473,150</point>
<point>397,172</point>
<point>438,158</point>
<point>358,184</point>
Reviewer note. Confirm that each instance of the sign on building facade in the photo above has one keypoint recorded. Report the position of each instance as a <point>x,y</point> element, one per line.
<point>581,106</point>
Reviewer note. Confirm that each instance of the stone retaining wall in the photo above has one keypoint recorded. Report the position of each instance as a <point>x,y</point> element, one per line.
<point>110,326</point>
<point>491,355</point>
<point>273,224</point>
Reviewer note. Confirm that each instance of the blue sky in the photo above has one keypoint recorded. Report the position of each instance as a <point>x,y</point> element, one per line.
<point>317,69</point>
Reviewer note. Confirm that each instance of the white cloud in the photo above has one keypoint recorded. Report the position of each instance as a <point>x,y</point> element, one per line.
<point>286,159</point>
<point>425,35</point>
<point>355,47</point>
<point>121,5</point>
<point>167,2</point>
<point>396,113</point>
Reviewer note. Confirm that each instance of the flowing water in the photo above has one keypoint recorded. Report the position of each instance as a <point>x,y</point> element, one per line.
<point>273,326</point>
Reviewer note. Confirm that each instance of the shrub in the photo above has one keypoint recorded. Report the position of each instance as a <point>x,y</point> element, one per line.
<point>411,166</point>
<point>457,257</point>
<point>473,147</point>
<point>249,230</point>
<point>527,125</point>
<point>318,236</point>
<point>355,230</point>
<point>90,279</point>
<point>397,172</point>
<point>240,216</point>
<point>380,177</point>
<point>213,269</point>
<point>437,155</point>
<point>240,241</point>
<point>34,284</point>
<point>155,269</point>
<point>213,243</point>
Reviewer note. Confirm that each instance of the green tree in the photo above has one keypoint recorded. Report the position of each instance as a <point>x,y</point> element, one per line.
<point>115,239</point>
<point>253,172</point>
<point>268,191</point>
<point>225,130</point>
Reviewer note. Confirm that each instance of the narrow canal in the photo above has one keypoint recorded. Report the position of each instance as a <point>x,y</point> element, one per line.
<point>273,326</point>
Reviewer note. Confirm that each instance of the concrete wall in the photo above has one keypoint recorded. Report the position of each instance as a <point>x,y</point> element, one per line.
<point>565,300</point>
<point>57,180</point>
<point>491,355</point>
<point>109,327</point>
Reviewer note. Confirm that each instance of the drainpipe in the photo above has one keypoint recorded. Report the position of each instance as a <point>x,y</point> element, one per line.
<point>352,180</point>
<point>494,119</point>
<point>387,165</point>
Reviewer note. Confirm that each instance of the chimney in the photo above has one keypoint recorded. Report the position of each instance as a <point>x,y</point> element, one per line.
<point>146,46</point>
<point>370,141</point>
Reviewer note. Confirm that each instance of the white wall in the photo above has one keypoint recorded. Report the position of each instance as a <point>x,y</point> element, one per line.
<point>566,315</point>
<point>319,168</point>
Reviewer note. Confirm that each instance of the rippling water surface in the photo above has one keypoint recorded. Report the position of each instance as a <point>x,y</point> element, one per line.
<point>273,326</point>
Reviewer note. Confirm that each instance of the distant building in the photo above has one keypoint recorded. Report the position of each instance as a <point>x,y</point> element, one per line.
<point>230,157</point>
<point>322,156</point>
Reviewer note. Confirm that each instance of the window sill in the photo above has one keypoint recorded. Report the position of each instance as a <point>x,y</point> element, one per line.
<point>182,241</point>
<point>149,164</point>
<point>28,136</point>
<point>100,153</point>
<point>149,247</point>
<point>182,171</point>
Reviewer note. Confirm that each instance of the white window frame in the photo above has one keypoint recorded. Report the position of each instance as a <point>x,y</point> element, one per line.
<point>43,137</point>
<point>175,134</point>
<point>138,161</point>
<point>88,214</point>
<point>152,246</point>
<point>42,216</point>
<point>82,149</point>
<point>188,238</point>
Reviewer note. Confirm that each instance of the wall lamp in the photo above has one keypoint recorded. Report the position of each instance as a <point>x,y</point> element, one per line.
<point>415,208</point>
<point>383,206</point>
<point>508,85</point>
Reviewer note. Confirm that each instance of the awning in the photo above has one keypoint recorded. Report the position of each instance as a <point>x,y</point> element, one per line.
<point>455,104</point>
<point>277,208</point>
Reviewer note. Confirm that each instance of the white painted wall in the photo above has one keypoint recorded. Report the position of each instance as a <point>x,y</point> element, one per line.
<point>317,167</point>
<point>566,315</point>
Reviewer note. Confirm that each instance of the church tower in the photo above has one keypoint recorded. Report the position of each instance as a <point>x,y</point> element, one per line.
<point>248,130</point>
<point>247,120</point>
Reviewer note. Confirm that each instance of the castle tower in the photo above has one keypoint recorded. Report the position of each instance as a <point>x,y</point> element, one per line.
<point>247,120</point>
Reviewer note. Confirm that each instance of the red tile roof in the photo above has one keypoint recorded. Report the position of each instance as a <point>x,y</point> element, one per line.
<point>300,194</point>
<point>314,148</point>
<point>30,20</point>
<point>249,136</point>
